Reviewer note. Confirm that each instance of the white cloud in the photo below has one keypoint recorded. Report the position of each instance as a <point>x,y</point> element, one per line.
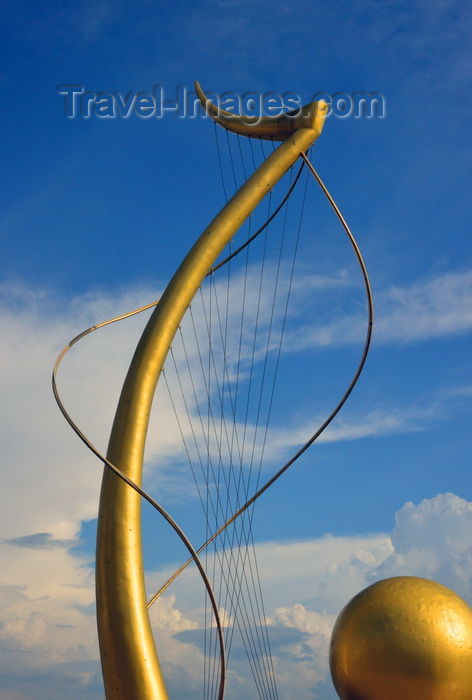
<point>51,481</point>
<point>374,423</point>
<point>165,616</point>
<point>47,623</point>
<point>437,308</point>
<point>380,422</point>
<point>433,539</point>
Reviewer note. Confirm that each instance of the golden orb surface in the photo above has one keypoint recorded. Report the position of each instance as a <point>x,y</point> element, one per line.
<point>403,638</point>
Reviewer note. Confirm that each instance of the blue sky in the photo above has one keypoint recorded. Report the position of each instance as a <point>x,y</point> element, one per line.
<point>96,215</point>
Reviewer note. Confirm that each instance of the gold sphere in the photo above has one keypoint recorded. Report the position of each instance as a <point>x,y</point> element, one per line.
<point>404,638</point>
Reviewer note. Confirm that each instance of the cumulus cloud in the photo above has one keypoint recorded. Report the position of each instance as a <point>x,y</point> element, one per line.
<point>165,616</point>
<point>47,624</point>
<point>433,539</point>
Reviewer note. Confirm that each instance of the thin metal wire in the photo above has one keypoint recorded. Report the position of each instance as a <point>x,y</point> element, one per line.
<point>219,160</point>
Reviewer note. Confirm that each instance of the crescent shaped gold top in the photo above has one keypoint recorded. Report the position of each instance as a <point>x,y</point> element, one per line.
<point>277,128</point>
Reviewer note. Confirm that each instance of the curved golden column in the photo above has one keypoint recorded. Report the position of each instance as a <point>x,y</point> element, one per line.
<point>403,638</point>
<point>130,663</point>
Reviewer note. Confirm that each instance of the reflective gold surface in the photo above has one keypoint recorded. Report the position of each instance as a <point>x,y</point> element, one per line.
<point>130,663</point>
<point>403,638</point>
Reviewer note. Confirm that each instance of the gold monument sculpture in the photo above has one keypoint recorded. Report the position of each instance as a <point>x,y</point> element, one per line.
<point>400,639</point>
